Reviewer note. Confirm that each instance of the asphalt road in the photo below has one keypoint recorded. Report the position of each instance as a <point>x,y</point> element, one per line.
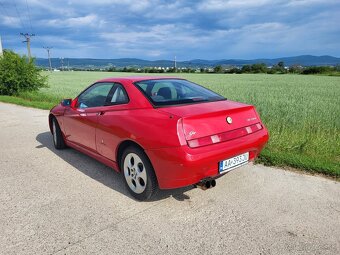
<point>63,202</point>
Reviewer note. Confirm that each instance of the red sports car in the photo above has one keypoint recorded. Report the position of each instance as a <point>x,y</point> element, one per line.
<point>159,132</point>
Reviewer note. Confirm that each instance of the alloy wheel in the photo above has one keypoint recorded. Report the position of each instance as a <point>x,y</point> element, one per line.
<point>135,173</point>
<point>54,127</point>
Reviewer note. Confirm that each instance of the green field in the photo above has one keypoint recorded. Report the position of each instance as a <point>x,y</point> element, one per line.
<point>302,113</point>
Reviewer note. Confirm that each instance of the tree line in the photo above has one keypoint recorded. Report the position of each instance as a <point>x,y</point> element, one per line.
<point>279,68</point>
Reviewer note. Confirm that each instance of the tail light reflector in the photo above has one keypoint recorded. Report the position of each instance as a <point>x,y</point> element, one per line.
<point>226,136</point>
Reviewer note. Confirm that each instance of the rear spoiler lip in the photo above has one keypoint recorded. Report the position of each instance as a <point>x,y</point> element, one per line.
<point>208,113</point>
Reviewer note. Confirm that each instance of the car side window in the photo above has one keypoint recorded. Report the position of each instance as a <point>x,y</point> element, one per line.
<point>119,95</point>
<point>95,96</point>
<point>164,90</point>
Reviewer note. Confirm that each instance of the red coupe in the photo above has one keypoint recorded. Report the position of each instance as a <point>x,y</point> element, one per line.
<point>159,132</point>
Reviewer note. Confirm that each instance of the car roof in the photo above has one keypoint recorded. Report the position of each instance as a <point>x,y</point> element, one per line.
<point>136,78</point>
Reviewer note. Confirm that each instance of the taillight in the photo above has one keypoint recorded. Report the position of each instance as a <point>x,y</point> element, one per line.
<point>180,132</point>
<point>226,136</point>
<point>200,142</point>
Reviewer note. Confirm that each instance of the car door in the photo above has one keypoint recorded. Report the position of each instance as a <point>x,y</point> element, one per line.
<point>110,129</point>
<point>81,121</point>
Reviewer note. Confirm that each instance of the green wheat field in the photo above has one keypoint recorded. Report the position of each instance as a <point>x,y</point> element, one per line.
<point>302,113</point>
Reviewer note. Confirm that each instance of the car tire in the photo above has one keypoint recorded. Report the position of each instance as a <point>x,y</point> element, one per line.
<point>138,174</point>
<point>58,139</point>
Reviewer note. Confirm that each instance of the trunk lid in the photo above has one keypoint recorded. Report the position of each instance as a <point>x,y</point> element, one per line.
<point>207,119</point>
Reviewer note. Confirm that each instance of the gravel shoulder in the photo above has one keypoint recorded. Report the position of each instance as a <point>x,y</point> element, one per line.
<point>63,202</point>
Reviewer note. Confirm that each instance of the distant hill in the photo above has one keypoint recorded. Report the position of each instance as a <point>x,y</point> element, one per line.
<point>304,60</point>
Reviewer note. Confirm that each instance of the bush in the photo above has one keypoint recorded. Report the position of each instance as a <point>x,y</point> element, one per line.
<point>318,70</point>
<point>259,68</point>
<point>295,69</point>
<point>17,74</point>
<point>246,69</point>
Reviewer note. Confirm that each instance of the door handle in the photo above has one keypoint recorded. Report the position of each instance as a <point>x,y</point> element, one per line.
<point>100,113</point>
<point>81,112</point>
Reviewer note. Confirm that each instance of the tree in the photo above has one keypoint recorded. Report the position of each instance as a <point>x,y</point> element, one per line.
<point>234,70</point>
<point>246,69</point>
<point>18,74</point>
<point>112,69</point>
<point>281,64</point>
<point>218,69</point>
<point>280,67</point>
<point>295,69</point>
<point>317,69</point>
<point>259,68</point>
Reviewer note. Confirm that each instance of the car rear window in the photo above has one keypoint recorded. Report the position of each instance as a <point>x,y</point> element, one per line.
<point>164,92</point>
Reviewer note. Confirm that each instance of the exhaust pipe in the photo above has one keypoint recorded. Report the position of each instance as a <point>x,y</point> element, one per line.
<point>206,184</point>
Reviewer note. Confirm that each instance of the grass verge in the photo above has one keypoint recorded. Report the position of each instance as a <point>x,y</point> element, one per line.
<point>26,102</point>
<point>308,164</point>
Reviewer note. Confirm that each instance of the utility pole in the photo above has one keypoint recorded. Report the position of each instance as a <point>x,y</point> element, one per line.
<point>175,62</point>
<point>62,63</point>
<point>49,57</point>
<point>0,47</point>
<point>28,41</point>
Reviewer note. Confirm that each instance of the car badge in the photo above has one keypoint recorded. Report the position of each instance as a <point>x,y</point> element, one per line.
<point>191,133</point>
<point>229,120</point>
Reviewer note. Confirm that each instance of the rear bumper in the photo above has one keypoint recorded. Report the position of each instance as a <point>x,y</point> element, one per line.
<point>182,166</point>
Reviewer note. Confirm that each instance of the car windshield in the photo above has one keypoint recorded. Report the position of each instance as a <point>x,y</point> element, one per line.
<point>175,92</point>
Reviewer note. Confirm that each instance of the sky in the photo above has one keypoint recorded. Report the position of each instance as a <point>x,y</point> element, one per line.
<point>157,29</point>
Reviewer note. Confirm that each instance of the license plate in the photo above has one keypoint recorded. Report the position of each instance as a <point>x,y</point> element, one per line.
<point>232,163</point>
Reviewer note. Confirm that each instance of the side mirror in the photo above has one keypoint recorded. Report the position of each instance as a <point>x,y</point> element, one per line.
<point>66,102</point>
<point>74,103</point>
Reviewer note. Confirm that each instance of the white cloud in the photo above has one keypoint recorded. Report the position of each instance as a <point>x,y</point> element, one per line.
<point>169,10</point>
<point>127,5</point>
<point>300,3</point>
<point>221,5</point>
<point>51,7</point>
<point>168,34</point>
<point>159,28</point>
<point>88,20</point>
<point>56,40</point>
<point>10,21</point>
<point>155,41</point>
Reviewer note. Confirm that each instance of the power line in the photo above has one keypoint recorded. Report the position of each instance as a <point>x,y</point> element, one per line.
<point>19,16</point>
<point>29,16</point>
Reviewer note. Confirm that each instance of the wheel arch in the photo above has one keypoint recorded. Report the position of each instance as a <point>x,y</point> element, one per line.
<point>125,144</point>
<point>50,118</point>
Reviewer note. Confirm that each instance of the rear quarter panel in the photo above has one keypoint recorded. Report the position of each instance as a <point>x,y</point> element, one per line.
<point>148,127</point>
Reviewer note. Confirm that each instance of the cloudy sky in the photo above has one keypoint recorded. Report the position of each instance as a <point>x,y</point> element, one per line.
<point>157,29</point>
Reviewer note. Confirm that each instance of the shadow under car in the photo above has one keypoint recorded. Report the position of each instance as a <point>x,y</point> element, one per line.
<point>102,173</point>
